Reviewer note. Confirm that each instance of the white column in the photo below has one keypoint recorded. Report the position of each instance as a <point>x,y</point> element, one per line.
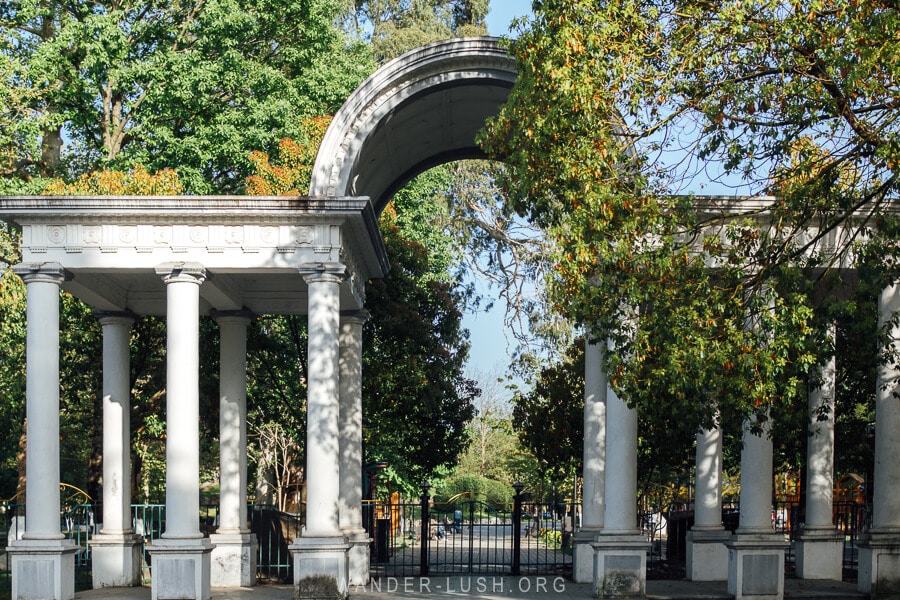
<point>708,481</point>
<point>756,551</point>
<point>756,480</point>
<point>42,400</point>
<point>594,471</point>
<point>183,401</point>
<point>116,552</point>
<point>620,550</point>
<point>232,421</point>
<point>351,445</point>
<point>181,558</point>
<point>620,510</point>
<point>116,422</point>
<point>820,546</point>
<point>320,554</point>
<point>707,556</point>
<point>234,557</point>
<point>322,412</point>
<point>879,556</point>
<point>595,390</point>
<point>42,561</point>
<point>886,499</point>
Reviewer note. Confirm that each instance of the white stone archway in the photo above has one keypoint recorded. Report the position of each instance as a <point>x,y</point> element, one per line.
<point>231,257</point>
<point>417,111</point>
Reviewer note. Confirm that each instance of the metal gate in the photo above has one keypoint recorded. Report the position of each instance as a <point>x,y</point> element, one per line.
<point>466,536</point>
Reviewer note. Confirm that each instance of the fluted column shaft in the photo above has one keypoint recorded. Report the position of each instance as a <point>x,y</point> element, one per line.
<point>351,420</point>
<point>182,399</point>
<point>620,492</point>
<point>233,421</point>
<point>322,413</point>
<point>886,499</point>
<point>595,390</point>
<point>42,284</point>
<point>820,449</point>
<point>116,422</point>
<point>708,484</point>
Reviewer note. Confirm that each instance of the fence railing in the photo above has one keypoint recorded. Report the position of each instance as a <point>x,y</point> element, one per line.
<point>274,529</point>
<point>469,536</point>
<point>466,536</point>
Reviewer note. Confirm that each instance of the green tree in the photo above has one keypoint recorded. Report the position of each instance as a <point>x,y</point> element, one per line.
<point>416,414</point>
<point>396,26</point>
<point>609,91</point>
<point>492,441</point>
<point>195,85</point>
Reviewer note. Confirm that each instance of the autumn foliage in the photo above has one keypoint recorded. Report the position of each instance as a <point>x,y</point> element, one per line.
<point>288,172</point>
<point>137,182</point>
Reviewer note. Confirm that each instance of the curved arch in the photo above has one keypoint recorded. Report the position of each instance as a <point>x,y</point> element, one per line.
<point>417,111</point>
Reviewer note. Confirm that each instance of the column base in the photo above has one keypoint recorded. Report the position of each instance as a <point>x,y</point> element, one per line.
<point>358,557</point>
<point>879,564</point>
<point>181,568</point>
<point>707,556</point>
<point>583,554</point>
<point>756,566</point>
<point>620,565</point>
<point>42,569</point>
<point>820,554</point>
<point>233,560</point>
<point>116,560</point>
<point>321,569</point>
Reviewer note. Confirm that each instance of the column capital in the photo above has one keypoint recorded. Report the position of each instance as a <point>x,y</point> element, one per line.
<point>49,272</point>
<point>327,272</point>
<point>232,316</point>
<point>172,272</point>
<point>356,317</point>
<point>115,317</point>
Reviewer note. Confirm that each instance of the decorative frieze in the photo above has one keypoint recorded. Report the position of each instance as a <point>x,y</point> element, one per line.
<point>194,240</point>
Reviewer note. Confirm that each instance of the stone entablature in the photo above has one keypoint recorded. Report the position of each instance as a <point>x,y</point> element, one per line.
<point>254,249</point>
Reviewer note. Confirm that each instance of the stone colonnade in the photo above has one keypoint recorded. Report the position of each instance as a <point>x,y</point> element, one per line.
<point>752,559</point>
<point>326,255</point>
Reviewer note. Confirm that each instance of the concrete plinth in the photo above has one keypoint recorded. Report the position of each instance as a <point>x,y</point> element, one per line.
<point>879,564</point>
<point>820,554</point>
<point>116,560</point>
<point>756,566</point>
<point>42,569</point>
<point>233,560</point>
<point>321,568</point>
<point>358,558</point>
<point>583,555</point>
<point>620,566</point>
<point>181,568</point>
<point>707,555</point>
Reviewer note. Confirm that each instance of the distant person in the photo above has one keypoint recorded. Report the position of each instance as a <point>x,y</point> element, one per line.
<point>457,521</point>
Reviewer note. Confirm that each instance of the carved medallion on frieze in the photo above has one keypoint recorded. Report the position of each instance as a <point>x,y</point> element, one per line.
<point>91,234</point>
<point>234,235</point>
<point>162,235</point>
<point>304,236</point>
<point>127,234</point>
<point>268,235</point>
<point>56,234</point>
<point>199,234</point>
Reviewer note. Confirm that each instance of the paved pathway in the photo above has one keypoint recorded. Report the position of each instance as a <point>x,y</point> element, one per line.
<point>504,588</point>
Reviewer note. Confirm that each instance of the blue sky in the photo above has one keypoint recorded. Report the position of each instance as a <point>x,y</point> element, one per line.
<point>489,355</point>
<point>502,12</point>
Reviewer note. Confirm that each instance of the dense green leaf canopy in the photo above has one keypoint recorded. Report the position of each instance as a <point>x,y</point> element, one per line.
<point>622,108</point>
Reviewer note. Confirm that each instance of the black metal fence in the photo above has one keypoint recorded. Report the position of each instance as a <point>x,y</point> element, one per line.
<point>850,518</point>
<point>463,536</point>
<point>469,536</point>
